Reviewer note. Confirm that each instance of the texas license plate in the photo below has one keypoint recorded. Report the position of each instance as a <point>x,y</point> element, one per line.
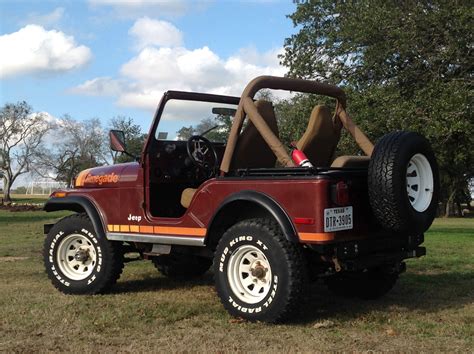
<point>336,219</point>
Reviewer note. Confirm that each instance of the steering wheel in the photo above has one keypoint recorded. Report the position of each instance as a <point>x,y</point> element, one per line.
<point>202,154</point>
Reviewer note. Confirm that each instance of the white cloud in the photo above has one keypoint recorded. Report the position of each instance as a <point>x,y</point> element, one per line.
<point>33,50</point>
<point>138,8</point>
<point>46,20</point>
<point>100,86</point>
<point>163,64</point>
<point>156,33</point>
<point>155,70</point>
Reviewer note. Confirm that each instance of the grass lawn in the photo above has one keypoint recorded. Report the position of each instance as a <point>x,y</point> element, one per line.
<point>29,199</point>
<point>430,309</point>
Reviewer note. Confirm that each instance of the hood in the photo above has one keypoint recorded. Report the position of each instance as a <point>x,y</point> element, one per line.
<point>104,176</point>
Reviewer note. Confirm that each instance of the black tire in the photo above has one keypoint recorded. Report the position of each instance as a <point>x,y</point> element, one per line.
<point>278,265</point>
<point>388,183</point>
<point>182,266</point>
<point>98,269</point>
<point>369,285</point>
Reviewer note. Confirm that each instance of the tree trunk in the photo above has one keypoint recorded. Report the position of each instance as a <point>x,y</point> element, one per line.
<point>6,190</point>
<point>448,203</point>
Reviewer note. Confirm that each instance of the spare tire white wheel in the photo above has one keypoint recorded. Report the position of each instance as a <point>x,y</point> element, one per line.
<point>403,183</point>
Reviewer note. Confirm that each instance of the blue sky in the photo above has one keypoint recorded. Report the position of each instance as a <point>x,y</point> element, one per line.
<point>102,58</point>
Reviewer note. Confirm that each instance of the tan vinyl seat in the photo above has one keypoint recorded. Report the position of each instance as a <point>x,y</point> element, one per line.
<point>187,196</point>
<point>351,161</point>
<point>321,137</point>
<point>251,150</point>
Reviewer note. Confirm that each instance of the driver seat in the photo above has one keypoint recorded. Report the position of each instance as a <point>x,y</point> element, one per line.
<point>251,150</point>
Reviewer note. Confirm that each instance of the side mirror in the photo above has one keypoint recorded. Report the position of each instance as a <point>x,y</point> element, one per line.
<point>117,140</point>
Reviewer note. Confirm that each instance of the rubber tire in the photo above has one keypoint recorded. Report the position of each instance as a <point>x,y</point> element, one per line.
<point>387,183</point>
<point>109,263</point>
<point>182,266</point>
<point>287,264</point>
<point>369,285</point>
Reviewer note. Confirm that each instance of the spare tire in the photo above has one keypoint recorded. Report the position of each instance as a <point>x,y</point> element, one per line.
<point>403,182</point>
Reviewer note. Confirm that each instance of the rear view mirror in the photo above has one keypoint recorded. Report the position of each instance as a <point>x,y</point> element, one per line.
<point>117,140</point>
<point>224,111</point>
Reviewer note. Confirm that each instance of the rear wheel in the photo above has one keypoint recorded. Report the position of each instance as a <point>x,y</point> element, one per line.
<point>182,266</point>
<point>259,274</point>
<point>77,260</point>
<point>403,182</point>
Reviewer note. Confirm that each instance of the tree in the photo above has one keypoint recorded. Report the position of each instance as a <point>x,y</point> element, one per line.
<point>134,138</point>
<point>79,145</point>
<point>404,65</point>
<point>21,136</point>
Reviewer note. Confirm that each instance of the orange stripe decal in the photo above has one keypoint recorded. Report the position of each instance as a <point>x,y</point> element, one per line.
<point>146,229</point>
<point>124,228</point>
<point>161,230</point>
<point>316,236</point>
<point>186,231</point>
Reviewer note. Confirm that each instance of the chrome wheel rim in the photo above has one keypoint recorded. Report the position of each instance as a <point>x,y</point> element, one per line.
<point>419,182</point>
<point>249,274</point>
<point>76,257</point>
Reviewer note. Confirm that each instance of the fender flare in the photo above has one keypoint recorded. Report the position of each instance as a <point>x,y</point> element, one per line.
<point>78,204</point>
<point>266,202</point>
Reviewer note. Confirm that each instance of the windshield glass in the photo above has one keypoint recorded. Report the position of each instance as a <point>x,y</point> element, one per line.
<point>182,118</point>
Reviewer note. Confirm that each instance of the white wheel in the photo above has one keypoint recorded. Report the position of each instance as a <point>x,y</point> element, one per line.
<point>76,257</point>
<point>420,182</point>
<point>249,274</point>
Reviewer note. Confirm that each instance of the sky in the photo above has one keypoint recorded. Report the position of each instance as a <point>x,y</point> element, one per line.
<point>103,58</point>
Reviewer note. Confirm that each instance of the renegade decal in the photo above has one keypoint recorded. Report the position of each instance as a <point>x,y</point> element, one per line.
<point>100,179</point>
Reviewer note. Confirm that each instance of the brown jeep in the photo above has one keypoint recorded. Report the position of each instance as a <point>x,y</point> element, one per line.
<point>242,206</point>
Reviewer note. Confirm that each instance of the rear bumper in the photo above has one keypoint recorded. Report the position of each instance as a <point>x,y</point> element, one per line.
<point>380,259</point>
<point>368,253</point>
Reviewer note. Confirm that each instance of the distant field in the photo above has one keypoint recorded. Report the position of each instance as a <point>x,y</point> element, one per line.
<point>23,198</point>
<point>430,309</point>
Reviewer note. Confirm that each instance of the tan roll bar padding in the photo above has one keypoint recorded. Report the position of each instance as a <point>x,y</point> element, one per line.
<point>246,105</point>
<point>298,85</point>
<point>360,138</point>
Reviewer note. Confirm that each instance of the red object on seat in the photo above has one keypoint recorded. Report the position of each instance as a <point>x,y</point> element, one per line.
<point>299,157</point>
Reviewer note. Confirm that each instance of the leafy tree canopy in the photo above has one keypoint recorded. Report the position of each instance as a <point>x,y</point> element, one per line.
<point>405,65</point>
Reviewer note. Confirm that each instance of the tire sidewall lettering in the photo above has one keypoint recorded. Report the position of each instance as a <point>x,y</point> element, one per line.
<point>230,247</point>
<point>52,257</point>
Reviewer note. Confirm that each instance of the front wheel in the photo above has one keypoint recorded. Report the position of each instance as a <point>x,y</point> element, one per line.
<point>259,274</point>
<point>77,261</point>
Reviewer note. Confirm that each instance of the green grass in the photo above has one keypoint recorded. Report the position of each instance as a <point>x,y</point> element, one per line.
<point>430,309</point>
<point>29,199</point>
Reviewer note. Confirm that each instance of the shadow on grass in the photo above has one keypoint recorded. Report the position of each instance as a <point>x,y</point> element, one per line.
<point>413,292</point>
<point>162,283</point>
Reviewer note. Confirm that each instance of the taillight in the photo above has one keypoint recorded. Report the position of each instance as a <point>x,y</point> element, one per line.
<point>340,193</point>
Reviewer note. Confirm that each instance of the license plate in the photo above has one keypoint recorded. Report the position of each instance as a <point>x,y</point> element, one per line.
<point>336,219</point>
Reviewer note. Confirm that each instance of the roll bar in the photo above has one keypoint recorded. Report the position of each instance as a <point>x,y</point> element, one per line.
<point>247,107</point>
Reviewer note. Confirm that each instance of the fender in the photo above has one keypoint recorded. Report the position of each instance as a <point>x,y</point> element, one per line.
<point>266,202</point>
<point>78,204</point>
